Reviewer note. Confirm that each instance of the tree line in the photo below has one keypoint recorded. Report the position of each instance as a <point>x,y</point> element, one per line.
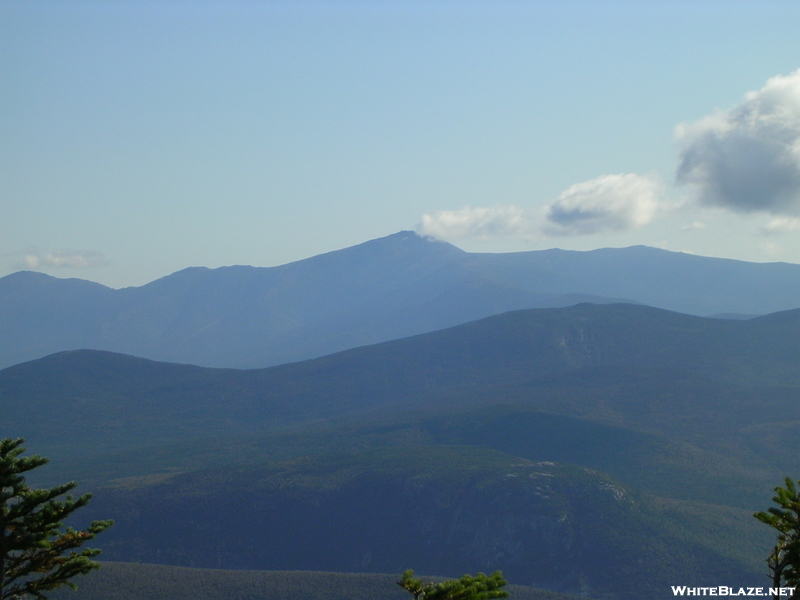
<point>38,554</point>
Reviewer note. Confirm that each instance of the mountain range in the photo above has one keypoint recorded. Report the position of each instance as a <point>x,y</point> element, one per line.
<point>594,424</point>
<point>388,288</point>
<point>568,447</point>
<point>510,355</point>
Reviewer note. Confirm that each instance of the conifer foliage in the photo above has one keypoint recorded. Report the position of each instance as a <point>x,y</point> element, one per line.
<point>479,587</point>
<point>784,560</point>
<point>36,556</point>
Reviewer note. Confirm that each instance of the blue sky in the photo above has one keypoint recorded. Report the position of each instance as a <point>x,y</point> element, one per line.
<point>138,138</point>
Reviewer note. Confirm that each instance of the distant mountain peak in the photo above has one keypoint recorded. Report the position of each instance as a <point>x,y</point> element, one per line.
<point>38,279</point>
<point>408,239</point>
<point>402,245</point>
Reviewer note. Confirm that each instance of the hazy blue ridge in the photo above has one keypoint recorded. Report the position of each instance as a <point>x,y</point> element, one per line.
<point>384,289</point>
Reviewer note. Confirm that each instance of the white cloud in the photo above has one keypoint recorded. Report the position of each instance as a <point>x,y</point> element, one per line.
<point>63,258</point>
<point>479,223</point>
<point>770,249</point>
<point>605,204</point>
<point>781,225</point>
<point>694,225</point>
<point>610,203</point>
<point>748,158</point>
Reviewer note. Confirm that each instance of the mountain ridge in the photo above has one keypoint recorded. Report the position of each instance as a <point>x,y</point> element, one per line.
<point>504,353</point>
<point>383,289</point>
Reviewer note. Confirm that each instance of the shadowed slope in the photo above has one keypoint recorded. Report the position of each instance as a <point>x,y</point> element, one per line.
<point>133,581</point>
<point>120,401</point>
<point>448,510</point>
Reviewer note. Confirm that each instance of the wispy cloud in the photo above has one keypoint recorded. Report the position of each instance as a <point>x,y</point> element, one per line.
<point>63,258</point>
<point>694,225</point>
<point>479,223</point>
<point>605,204</point>
<point>781,225</point>
<point>747,159</point>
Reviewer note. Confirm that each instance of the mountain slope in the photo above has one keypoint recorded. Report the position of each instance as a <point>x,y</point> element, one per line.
<point>133,581</point>
<point>447,448</point>
<point>677,405</point>
<point>445,509</point>
<point>119,401</point>
<point>384,289</point>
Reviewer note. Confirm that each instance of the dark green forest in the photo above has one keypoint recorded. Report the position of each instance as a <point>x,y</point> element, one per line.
<point>128,581</point>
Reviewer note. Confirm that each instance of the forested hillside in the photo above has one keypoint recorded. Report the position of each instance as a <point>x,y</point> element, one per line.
<point>567,447</point>
<point>130,581</point>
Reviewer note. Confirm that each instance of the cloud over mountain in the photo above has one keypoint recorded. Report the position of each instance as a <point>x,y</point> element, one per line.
<point>479,223</point>
<point>747,159</point>
<point>609,203</point>
<point>63,258</point>
<point>605,204</point>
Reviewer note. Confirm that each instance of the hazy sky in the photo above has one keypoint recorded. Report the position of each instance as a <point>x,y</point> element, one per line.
<point>138,138</point>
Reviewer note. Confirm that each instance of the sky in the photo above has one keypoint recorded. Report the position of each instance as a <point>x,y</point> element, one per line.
<point>138,138</point>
